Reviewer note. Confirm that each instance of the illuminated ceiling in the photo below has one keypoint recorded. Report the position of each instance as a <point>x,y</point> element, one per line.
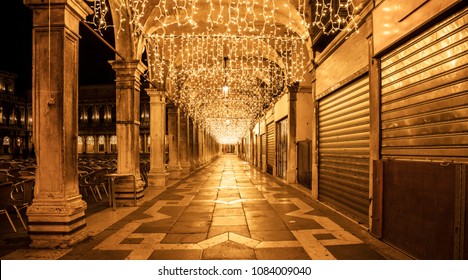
<point>223,62</point>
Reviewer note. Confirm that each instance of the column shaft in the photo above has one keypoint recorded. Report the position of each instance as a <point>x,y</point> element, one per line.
<point>291,173</point>
<point>183,144</point>
<point>157,176</point>
<point>174,168</point>
<point>128,129</point>
<point>56,216</point>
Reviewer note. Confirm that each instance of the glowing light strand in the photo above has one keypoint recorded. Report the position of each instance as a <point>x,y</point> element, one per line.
<point>331,16</point>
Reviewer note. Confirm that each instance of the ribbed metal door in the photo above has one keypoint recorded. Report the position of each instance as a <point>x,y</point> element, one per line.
<point>270,147</point>
<point>263,148</point>
<point>344,149</point>
<point>425,97</point>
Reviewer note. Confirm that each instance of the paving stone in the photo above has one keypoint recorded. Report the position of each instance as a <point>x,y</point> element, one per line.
<point>176,255</point>
<point>237,211</point>
<point>295,253</point>
<point>229,221</point>
<point>269,235</point>
<point>190,227</point>
<point>229,251</point>
<point>264,224</point>
<point>241,230</point>
<point>177,238</point>
<point>106,255</point>
<point>354,252</point>
<point>195,216</point>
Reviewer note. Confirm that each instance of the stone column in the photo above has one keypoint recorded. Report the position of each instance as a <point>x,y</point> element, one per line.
<point>157,175</point>
<point>201,144</point>
<point>291,173</point>
<point>183,144</point>
<point>251,147</point>
<point>190,137</point>
<point>173,138</point>
<point>127,85</point>
<point>195,160</point>
<point>57,214</point>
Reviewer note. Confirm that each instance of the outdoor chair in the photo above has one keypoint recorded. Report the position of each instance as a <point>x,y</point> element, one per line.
<point>21,196</point>
<point>5,191</point>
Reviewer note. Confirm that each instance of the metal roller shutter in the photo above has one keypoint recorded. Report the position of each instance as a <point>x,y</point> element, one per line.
<point>425,97</point>
<point>344,149</point>
<point>270,147</point>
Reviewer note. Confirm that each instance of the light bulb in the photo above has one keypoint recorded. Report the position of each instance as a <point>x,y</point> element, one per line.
<point>225,90</point>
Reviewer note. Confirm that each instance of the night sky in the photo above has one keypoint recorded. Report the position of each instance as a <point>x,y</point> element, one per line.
<point>16,49</point>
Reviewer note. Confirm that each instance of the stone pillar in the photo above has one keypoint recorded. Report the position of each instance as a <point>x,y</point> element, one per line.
<point>201,144</point>
<point>195,160</point>
<point>127,85</point>
<point>157,175</point>
<point>251,148</point>
<point>206,147</point>
<point>57,214</point>
<point>190,150</point>
<point>291,173</point>
<point>174,168</point>
<point>183,144</point>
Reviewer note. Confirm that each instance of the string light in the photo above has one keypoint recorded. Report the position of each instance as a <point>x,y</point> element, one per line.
<point>98,18</point>
<point>188,41</point>
<point>332,16</point>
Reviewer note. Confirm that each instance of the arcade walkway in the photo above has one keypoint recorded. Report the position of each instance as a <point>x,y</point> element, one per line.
<point>226,210</point>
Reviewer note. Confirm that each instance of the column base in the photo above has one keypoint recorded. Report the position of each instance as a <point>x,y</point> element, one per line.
<point>174,172</point>
<point>157,179</point>
<point>57,224</point>
<point>291,176</point>
<point>125,191</point>
<point>185,170</point>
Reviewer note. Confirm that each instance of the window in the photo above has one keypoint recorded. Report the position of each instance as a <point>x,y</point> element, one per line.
<point>90,144</point>
<point>80,144</point>
<point>113,144</point>
<point>101,141</point>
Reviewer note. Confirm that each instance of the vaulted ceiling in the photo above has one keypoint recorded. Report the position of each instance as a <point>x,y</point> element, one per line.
<point>223,62</point>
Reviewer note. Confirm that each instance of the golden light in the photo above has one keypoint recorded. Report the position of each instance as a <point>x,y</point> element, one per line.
<point>225,61</point>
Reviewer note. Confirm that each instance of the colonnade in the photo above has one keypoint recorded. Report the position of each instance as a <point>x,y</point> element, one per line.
<point>57,214</point>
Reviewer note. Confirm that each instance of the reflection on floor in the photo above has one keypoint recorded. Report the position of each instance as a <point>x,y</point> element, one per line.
<point>226,210</point>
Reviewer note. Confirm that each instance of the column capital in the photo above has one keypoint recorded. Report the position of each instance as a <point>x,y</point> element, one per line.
<point>78,6</point>
<point>122,66</point>
<point>156,96</point>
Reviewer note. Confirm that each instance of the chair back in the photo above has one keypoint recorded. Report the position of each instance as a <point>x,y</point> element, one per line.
<point>5,190</point>
<point>28,191</point>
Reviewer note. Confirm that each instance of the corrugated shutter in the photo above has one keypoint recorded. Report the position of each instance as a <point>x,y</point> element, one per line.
<point>344,149</point>
<point>270,147</point>
<point>424,95</point>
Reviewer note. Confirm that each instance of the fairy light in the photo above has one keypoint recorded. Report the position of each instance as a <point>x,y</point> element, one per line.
<point>98,18</point>
<point>187,48</point>
<point>331,16</point>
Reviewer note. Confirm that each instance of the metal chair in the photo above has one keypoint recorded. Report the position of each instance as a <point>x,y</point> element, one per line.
<point>5,192</point>
<point>21,196</point>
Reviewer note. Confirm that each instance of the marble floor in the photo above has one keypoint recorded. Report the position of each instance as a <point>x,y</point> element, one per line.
<point>225,210</point>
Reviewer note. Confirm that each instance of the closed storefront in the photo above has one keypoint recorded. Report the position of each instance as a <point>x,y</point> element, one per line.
<point>343,136</point>
<point>424,128</point>
<point>424,97</point>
